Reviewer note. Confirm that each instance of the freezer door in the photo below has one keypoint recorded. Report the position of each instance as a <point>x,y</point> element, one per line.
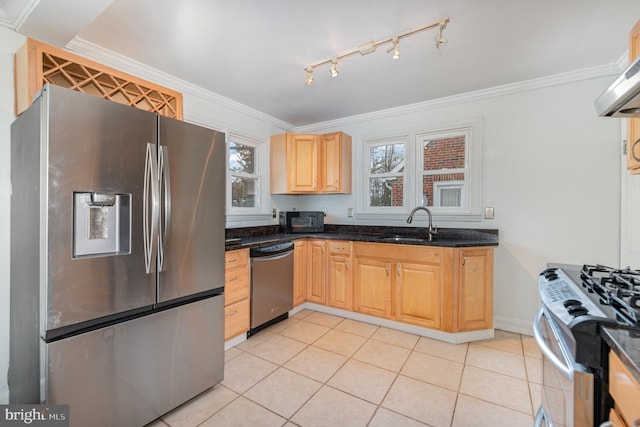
<point>193,170</point>
<point>131,373</point>
<point>93,169</point>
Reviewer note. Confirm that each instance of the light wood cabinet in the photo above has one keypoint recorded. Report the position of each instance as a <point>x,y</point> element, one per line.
<point>339,283</point>
<point>418,288</point>
<point>449,289</point>
<point>317,276</point>
<point>625,390</point>
<point>474,279</point>
<point>300,272</point>
<point>372,286</point>
<point>37,64</point>
<point>237,279</point>
<point>335,163</point>
<point>310,164</point>
<point>398,282</point>
<point>633,139</point>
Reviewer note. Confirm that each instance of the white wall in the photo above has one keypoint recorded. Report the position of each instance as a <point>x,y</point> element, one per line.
<point>551,170</point>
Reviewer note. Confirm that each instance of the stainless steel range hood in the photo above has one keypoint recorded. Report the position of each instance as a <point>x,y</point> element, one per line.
<point>622,98</point>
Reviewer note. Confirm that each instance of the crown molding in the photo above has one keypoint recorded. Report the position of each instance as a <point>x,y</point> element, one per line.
<point>112,59</point>
<point>13,13</point>
<point>478,95</point>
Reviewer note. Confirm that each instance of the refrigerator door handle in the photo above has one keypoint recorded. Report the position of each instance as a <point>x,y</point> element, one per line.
<point>151,207</point>
<point>165,212</point>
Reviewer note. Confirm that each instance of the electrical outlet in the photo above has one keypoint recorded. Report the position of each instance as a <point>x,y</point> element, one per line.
<point>488,213</point>
<point>350,212</point>
<point>274,213</point>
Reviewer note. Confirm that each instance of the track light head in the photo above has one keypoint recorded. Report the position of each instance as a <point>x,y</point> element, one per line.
<point>309,79</point>
<point>334,68</point>
<point>395,48</point>
<point>440,39</point>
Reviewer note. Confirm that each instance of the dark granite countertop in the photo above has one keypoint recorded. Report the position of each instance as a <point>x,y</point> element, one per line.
<point>626,344</point>
<point>448,237</point>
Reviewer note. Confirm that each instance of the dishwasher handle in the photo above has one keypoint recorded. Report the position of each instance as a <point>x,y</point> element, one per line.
<point>271,251</point>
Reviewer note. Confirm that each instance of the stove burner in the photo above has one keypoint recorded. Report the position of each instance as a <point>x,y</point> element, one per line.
<point>618,288</point>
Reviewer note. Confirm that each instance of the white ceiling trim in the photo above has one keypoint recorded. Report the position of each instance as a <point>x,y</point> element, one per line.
<point>539,83</point>
<point>107,57</point>
<point>13,13</point>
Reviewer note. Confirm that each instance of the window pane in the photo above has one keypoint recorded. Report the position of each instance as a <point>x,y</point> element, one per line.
<point>386,191</point>
<point>243,192</point>
<point>386,158</point>
<point>444,153</point>
<point>451,196</point>
<point>242,158</point>
<point>441,182</point>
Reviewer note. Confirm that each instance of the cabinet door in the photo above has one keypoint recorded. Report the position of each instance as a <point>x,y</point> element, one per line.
<point>418,294</point>
<point>335,163</point>
<point>236,319</point>
<point>316,288</point>
<point>372,287</point>
<point>340,284</point>
<point>299,272</point>
<point>633,140</point>
<point>475,306</point>
<point>302,162</point>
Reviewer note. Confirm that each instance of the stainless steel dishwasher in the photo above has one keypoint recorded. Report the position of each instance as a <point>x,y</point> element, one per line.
<point>271,285</point>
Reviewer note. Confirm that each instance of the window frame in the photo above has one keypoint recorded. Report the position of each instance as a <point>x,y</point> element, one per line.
<point>367,145</point>
<point>262,207</point>
<point>472,206</point>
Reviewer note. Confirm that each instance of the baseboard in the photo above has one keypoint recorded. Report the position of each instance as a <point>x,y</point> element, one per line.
<point>454,338</point>
<point>513,325</point>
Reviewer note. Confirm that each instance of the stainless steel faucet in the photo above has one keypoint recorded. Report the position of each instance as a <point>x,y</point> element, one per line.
<point>433,231</point>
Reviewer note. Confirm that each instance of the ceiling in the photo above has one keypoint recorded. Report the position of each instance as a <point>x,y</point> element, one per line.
<point>255,51</point>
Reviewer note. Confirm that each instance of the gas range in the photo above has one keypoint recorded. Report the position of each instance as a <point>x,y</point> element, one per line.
<point>577,301</point>
<point>581,299</point>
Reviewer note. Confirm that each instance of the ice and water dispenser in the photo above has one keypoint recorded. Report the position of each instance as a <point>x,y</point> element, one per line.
<point>101,224</point>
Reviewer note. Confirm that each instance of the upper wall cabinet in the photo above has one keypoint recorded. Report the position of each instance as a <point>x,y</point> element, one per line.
<point>633,140</point>
<point>37,64</point>
<point>311,164</point>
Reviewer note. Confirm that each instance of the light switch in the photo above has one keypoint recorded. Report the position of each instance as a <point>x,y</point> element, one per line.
<point>350,212</point>
<point>488,213</point>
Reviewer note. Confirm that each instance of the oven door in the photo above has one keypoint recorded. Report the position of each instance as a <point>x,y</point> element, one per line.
<point>567,386</point>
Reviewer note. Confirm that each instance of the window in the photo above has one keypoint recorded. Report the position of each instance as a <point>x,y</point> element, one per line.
<point>444,168</point>
<point>386,173</point>
<point>444,174</point>
<point>245,192</point>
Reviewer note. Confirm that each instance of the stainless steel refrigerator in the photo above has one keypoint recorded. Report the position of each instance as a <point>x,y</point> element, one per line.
<point>117,259</point>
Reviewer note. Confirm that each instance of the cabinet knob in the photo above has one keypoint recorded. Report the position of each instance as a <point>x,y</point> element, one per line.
<point>635,150</point>
<point>231,313</point>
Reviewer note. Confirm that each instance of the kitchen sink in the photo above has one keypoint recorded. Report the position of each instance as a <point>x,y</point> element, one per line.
<point>401,239</point>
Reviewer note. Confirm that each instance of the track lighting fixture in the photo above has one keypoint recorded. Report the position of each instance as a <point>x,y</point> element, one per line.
<point>370,47</point>
<point>309,79</point>
<point>334,68</point>
<point>395,48</point>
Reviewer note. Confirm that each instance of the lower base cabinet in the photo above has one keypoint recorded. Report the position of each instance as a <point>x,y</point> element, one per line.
<point>449,289</point>
<point>237,282</point>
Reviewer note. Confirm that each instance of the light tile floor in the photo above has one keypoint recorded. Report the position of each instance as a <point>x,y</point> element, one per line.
<point>315,369</point>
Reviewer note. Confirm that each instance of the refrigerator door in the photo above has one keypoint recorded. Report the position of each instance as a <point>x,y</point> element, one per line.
<point>132,373</point>
<point>193,170</point>
<point>93,160</point>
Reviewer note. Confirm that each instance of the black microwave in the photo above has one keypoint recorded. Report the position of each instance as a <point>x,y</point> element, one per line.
<point>302,222</point>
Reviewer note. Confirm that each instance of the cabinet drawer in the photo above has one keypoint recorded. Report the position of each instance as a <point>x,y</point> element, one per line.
<point>340,247</point>
<point>236,259</point>
<point>236,285</point>
<point>624,389</point>
<point>236,319</point>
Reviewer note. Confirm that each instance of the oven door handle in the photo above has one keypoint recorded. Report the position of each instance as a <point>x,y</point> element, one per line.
<point>567,371</point>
